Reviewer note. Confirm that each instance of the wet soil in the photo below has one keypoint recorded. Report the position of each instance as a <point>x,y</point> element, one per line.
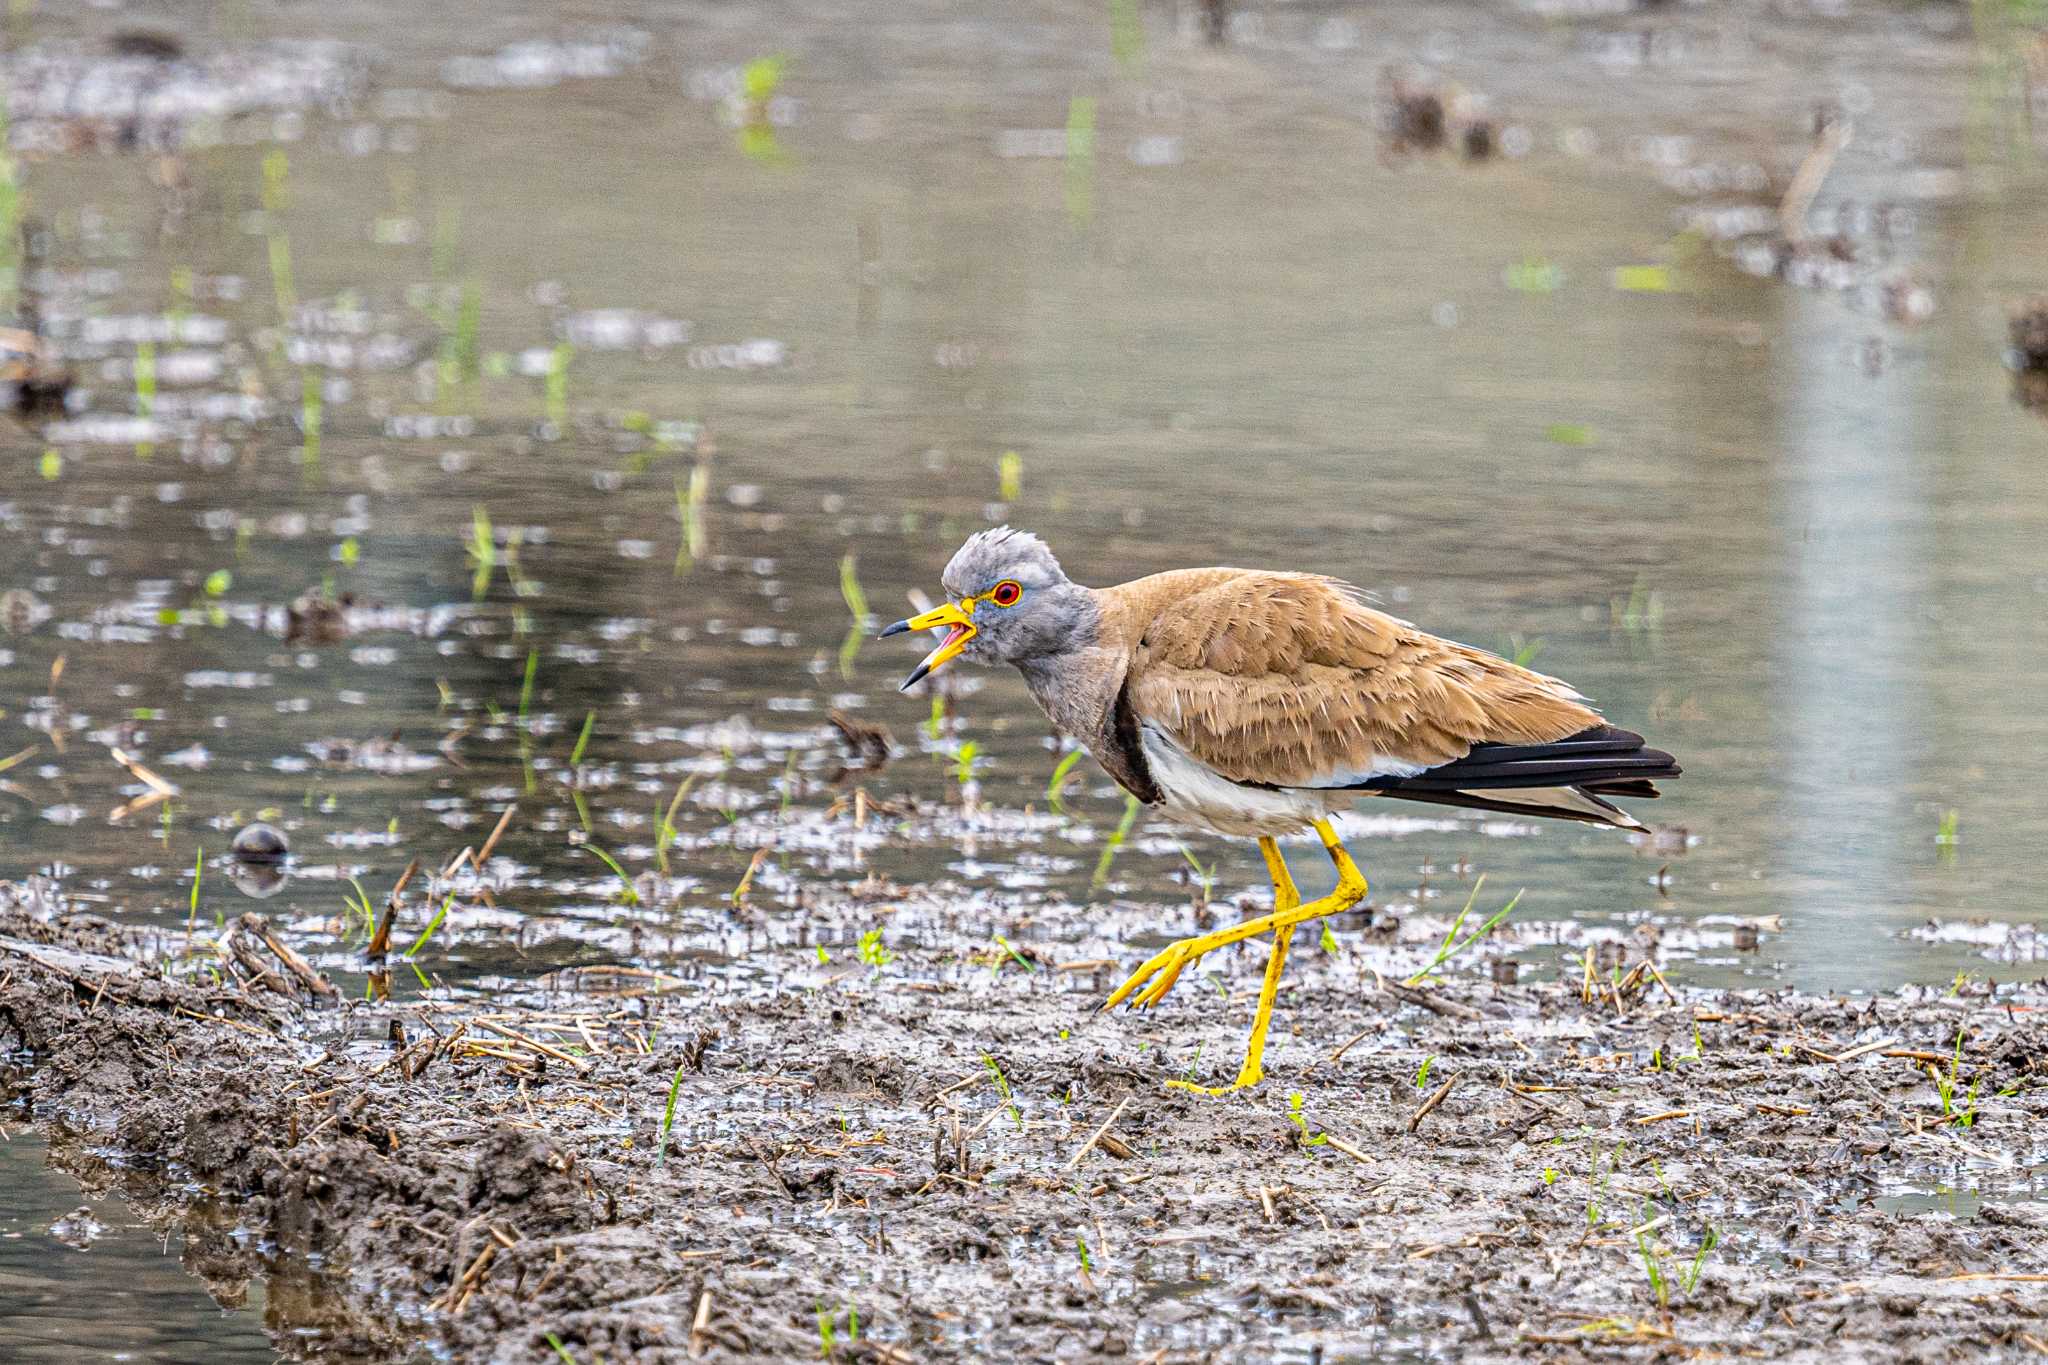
<point>896,1162</point>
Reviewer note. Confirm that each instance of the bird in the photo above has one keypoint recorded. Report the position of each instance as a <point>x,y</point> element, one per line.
<point>1258,704</point>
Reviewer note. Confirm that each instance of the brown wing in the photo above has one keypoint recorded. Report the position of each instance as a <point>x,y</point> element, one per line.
<point>1291,680</point>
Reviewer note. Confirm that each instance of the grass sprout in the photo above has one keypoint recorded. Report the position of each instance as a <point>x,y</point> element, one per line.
<point>857,605</point>
<point>1057,785</point>
<point>872,951</point>
<point>1452,944</point>
<point>482,549</point>
<point>1116,841</point>
<point>1002,1085</point>
<point>626,895</point>
<point>668,1115</point>
<point>412,949</point>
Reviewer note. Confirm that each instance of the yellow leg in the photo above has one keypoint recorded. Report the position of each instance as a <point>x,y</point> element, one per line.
<point>1285,897</point>
<point>1164,969</point>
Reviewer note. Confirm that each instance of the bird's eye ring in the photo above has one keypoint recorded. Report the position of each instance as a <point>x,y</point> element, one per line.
<point>1006,594</point>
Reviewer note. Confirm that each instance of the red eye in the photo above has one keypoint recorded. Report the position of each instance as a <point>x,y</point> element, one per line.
<point>1006,594</point>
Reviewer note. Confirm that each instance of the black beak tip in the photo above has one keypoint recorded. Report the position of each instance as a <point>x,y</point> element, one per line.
<point>896,629</point>
<point>916,677</point>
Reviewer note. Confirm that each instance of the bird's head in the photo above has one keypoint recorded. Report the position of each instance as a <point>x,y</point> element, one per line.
<point>1010,602</point>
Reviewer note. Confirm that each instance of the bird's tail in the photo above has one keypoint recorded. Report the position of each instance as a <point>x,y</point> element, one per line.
<point>1566,779</point>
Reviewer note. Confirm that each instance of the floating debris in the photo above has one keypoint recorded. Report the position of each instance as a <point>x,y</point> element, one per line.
<point>78,1228</point>
<point>314,618</point>
<point>21,611</point>
<point>64,98</point>
<point>32,378</point>
<point>1419,114</point>
<point>537,65</point>
<point>2028,355</point>
<point>259,844</point>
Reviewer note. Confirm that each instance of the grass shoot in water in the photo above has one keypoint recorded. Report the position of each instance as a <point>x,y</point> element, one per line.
<point>482,549</point>
<point>857,605</point>
<point>198,868</point>
<point>145,378</point>
<point>526,685</point>
<point>582,740</point>
<point>690,499</point>
<point>1057,785</point>
<point>1116,841</point>
<point>626,894</point>
<point>413,949</point>
<point>361,904</point>
<point>1080,160</point>
<point>310,420</point>
<point>965,759</point>
<point>665,825</point>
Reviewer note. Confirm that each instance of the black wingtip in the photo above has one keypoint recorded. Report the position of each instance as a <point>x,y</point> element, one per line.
<point>896,629</point>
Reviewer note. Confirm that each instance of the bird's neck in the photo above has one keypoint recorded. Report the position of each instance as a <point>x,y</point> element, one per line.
<point>1076,685</point>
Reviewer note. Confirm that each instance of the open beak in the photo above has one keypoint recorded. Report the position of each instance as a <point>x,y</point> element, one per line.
<point>959,618</point>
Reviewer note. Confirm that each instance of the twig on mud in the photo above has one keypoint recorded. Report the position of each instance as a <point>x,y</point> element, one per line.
<point>960,1084</point>
<point>1347,1149</point>
<point>698,1323</point>
<point>769,1166</point>
<point>1862,1049</point>
<point>1096,1136</point>
<point>579,1063</point>
<point>1667,1114</point>
<point>1354,1040</point>
<point>1436,1098</point>
<point>1449,1009</point>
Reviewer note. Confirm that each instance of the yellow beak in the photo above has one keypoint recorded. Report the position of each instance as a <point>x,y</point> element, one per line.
<point>959,616</point>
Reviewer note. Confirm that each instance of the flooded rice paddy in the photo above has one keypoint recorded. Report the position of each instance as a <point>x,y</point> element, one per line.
<point>536,411</point>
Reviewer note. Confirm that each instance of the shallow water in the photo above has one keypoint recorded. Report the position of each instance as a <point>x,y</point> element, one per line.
<point>124,1296</point>
<point>1794,541</point>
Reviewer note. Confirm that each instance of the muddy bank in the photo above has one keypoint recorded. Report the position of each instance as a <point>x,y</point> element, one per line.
<point>897,1165</point>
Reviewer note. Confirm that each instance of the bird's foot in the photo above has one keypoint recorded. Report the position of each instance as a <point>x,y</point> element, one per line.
<point>1162,970</point>
<point>1246,1079</point>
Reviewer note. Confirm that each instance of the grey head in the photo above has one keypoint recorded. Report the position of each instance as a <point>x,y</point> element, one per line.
<point>1051,612</point>
<point>1009,603</point>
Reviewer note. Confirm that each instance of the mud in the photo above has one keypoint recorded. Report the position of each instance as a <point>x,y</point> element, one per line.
<point>896,1164</point>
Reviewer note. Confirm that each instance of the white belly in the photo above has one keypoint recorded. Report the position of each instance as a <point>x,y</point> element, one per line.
<point>1195,794</point>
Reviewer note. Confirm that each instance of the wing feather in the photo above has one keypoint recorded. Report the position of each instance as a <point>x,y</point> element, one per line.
<point>1292,680</point>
